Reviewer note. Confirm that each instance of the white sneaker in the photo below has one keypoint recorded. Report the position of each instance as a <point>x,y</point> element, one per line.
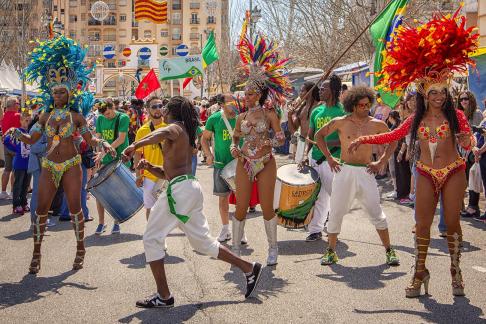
<point>5,195</point>
<point>244,239</point>
<point>225,235</point>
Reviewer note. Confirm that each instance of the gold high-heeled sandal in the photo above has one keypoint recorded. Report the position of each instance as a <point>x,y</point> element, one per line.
<point>80,253</point>
<point>455,253</point>
<point>413,289</point>
<point>38,234</point>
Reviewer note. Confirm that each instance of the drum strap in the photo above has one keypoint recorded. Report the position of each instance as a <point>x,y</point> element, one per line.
<point>171,200</point>
<point>226,122</point>
<point>332,151</point>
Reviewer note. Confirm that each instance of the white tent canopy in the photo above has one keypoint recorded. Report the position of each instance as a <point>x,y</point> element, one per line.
<point>10,80</point>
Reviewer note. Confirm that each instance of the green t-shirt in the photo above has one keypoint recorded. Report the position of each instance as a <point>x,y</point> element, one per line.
<point>106,127</point>
<point>320,117</point>
<point>222,139</point>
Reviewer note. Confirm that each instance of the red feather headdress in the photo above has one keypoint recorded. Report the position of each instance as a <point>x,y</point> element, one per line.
<point>428,54</point>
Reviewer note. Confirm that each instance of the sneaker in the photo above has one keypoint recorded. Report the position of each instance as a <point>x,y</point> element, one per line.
<point>253,278</point>
<point>5,195</point>
<point>18,210</point>
<point>252,210</point>
<point>391,258</point>
<point>88,219</point>
<point>115,229</point>
<point>481,218</point>
<point>406,201</point>
<point>329,258</point>
<point>392,195</point>
<point>100,229</point>
<point>314,237</point>
<point>225,235</point>
<point>156,301</point>
<point>50,222</point>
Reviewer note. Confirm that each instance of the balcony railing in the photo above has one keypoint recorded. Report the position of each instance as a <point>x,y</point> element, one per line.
<point>195,21</point>
<point>176,22</point>
<point>93,38</point>
<point>109,37</point>
<point>94,22</point>
<point>110,21</point>
<point>194,5</point>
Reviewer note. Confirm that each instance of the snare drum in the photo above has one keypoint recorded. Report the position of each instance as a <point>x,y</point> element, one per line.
<point>229,174</point>
<point>296,191</point>
<point>114,186</point>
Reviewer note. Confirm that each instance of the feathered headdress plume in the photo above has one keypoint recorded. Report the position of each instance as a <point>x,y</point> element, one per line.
<point>428,54</point>
<point>55,63</point>
<point>263,68</point>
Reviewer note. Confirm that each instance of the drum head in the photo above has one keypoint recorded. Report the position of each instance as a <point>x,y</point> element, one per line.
<point>103,174</point>
<point>229,173</point>
<point>291,174</point>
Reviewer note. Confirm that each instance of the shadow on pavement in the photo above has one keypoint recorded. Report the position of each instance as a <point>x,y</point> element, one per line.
<point>459,312</point>
<point>269,285</point>
<point>474,223</point>
<point>138,261</point>
<point>20,236</point>
<point>364,278</point>
<point>105,240</point>
<point>9,217</point>
<point>32,288</point>
<point>181,313</point>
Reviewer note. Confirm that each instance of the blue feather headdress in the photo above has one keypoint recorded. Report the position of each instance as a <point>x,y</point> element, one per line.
<point>56,63</point>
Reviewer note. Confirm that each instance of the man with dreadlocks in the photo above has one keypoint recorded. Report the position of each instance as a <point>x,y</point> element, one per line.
<point>181,205</point>
<point>354,171</point>
<point>331,108</point>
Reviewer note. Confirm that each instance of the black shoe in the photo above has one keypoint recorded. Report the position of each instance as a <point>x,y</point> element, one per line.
<point>156,301</point>
<point>253,278</point>
<point>251,210</point>
<point>481,218</point>
<point>314,237</point>
<point>468,214</point>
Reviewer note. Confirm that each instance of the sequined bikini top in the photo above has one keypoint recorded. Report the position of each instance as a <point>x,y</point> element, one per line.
<point>260,126</point>
<point>441,132</point>
<point>64,131</point>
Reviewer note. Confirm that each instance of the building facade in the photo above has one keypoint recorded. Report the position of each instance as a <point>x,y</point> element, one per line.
<point>189,23</point>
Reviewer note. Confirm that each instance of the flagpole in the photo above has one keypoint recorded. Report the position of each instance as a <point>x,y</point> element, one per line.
<point>333,65</point>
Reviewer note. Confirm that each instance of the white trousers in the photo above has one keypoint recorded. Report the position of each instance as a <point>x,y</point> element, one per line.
<point>300,153</point>
<point>321,207</point>
<point>353,182</point>
<point>150,189</point>
<point>189,201</point>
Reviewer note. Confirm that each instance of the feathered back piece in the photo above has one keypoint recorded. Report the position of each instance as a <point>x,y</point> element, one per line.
<point>58,62</point>
<point>263,68</point>
<point>428,54</point>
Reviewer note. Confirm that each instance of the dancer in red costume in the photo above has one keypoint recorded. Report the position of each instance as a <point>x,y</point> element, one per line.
<point>429,55</point>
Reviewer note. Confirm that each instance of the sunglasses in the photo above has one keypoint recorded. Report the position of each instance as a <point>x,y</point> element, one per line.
<point>157,106</point>
<point>464,99</point>
<point>366,105</point>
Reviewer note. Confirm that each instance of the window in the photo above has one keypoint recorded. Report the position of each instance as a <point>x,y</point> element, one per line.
<point>194,18</point>
<point>73,3</point>
<point>62,11</point>
<point>211,20</point>
<point>176,18</point>
<point>176,5</point>
<point>164,33</point>
<point>194,5</point>
<point>55,7</point>
<point>123,17</point>
<point>147,34</point>
<point>176,34</point>
<point>73,18</point>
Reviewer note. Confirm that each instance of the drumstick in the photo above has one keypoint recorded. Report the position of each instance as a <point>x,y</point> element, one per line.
<point>333,65</point>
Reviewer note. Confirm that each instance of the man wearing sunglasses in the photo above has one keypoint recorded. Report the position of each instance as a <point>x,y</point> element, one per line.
<point>222,130</point>
<point>152,153</point>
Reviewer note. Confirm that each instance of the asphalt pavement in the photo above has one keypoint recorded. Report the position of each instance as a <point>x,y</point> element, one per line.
<point>361,288</point>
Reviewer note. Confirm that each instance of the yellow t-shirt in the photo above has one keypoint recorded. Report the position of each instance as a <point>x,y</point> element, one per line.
<point>151,153</point>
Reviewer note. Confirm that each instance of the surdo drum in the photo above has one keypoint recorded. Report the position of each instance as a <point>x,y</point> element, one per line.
<point>296,191</point>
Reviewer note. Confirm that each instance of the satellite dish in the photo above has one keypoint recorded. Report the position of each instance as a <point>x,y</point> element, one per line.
<point>100,10</point>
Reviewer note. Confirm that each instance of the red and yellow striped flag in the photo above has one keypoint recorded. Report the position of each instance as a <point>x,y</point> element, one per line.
<point>152,10</point>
